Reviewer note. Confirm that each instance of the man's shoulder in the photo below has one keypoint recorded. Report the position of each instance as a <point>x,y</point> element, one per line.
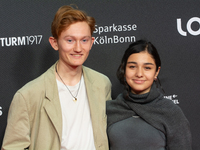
<point>94,73</point>
<point>96,77</point>
<point>37,83</point>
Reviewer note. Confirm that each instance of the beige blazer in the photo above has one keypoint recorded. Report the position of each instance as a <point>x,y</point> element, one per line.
<point>35,119</point>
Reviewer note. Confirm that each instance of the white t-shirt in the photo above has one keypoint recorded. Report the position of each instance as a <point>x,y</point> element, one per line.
<point>77,132</point>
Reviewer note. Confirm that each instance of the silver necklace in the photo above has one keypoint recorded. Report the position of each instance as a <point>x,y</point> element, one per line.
<point>74,97</point>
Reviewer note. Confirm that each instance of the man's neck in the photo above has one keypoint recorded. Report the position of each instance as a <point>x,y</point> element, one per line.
<point>70,75</point>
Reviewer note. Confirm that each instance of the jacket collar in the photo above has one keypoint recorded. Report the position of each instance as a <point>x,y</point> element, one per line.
<point>53,107</point>
<point>93,94</point>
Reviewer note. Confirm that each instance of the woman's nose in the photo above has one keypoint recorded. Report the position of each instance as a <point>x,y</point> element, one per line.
<point>139,72</point>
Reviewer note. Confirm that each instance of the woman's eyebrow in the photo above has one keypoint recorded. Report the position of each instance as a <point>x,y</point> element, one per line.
<point>148,63</point>
<point>133,62</point>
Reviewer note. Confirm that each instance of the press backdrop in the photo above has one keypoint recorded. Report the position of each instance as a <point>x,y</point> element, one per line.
<point>172,26</point>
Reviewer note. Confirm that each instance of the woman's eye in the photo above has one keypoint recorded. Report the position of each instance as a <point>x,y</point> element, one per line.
<point>147,68</point>
<point>131,66</point>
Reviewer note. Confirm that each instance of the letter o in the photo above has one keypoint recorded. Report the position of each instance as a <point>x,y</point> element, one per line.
<point>1,111</point>
<point>189,23</point>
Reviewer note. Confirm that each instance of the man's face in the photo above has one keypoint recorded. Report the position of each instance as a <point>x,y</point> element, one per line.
<point>74,44</point>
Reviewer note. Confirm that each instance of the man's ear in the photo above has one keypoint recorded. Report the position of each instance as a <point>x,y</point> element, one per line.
<point>93,39</point>
<point>53,43</point>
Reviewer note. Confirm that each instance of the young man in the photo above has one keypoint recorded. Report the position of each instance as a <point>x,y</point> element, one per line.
<point>64,108</point>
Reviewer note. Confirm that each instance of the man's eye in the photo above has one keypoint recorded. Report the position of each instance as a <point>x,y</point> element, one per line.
<point>85,40</point>
<point>69,41</point>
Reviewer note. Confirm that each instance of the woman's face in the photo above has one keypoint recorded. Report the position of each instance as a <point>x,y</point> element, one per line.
<point>140,72</point>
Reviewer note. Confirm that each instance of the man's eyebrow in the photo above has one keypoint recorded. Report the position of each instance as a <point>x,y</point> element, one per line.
<point>75,36</point>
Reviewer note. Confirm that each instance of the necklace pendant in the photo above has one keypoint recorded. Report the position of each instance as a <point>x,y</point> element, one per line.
<point>74,99</point>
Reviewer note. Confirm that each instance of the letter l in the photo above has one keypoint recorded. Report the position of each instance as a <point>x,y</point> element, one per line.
<point>183,33</point>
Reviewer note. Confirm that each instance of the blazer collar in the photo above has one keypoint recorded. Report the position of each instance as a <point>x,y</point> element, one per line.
<point>93,95</point>
<point>52,105</point>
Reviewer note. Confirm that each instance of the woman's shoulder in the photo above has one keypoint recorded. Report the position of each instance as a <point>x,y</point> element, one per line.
<point>169,103</point>
<point>116,104</point>
<point>172,108</point>
<point>114,101</point>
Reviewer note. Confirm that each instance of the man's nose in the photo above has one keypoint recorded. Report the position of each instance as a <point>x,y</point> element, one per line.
<point>78,47</point>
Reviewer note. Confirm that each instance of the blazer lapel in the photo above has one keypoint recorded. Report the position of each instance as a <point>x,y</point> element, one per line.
<point>52,105</point>
<point>92,94</point>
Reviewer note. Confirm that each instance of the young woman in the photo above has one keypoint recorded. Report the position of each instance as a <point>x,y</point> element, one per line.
<point>140,118</point>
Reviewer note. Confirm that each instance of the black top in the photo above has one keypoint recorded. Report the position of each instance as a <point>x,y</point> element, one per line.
<point>156,112</point>
<point>135,134</point>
